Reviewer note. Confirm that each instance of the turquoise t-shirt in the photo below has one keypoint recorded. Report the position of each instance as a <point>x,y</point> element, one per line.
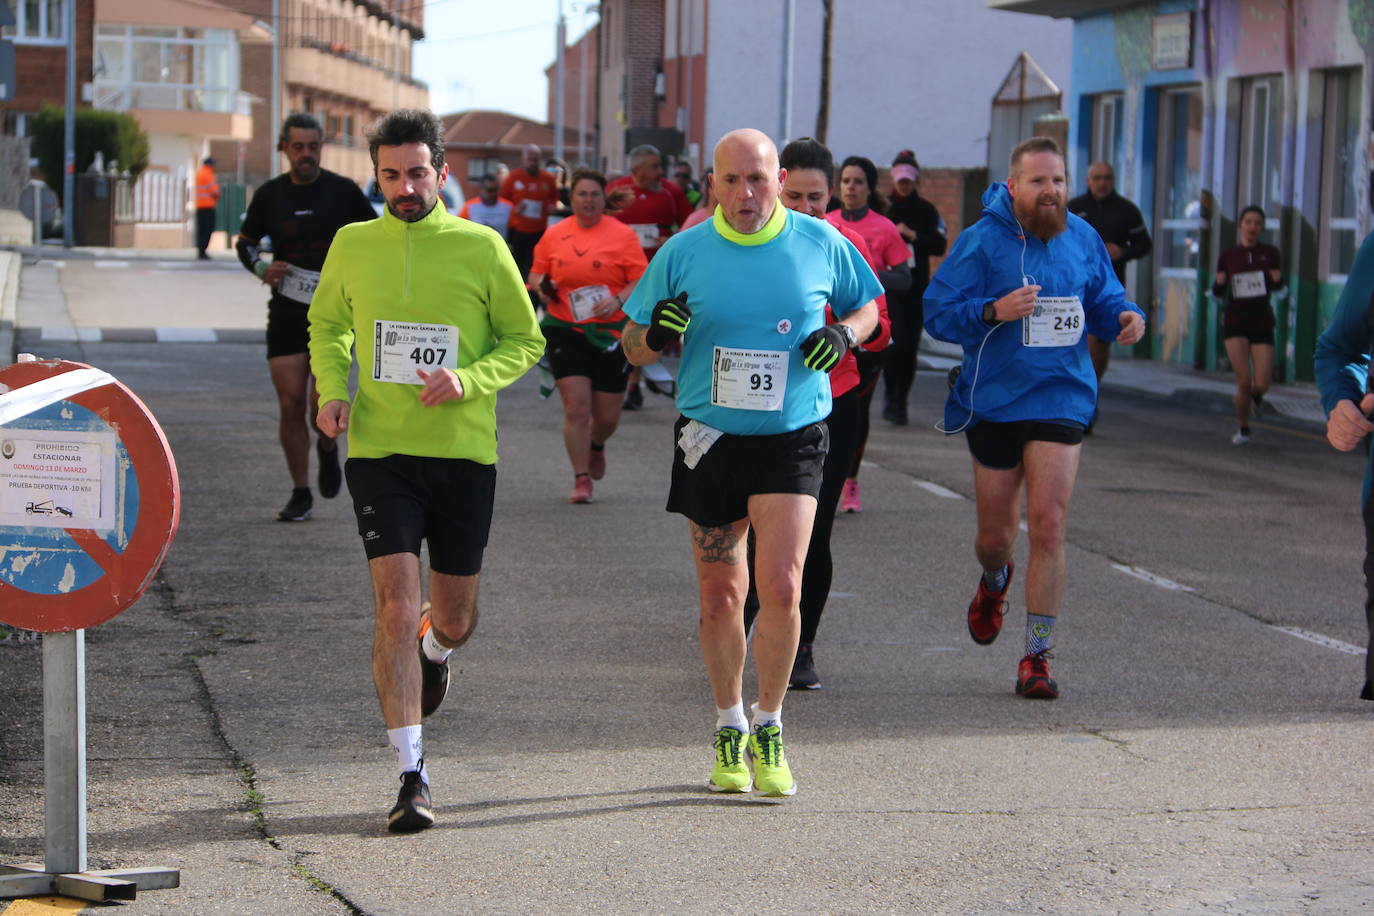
<point>752,306</point>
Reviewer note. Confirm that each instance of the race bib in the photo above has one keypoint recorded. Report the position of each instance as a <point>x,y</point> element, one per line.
<point>532,209</point>
<point>748,379</point>
<point>299,284</point>
<point>399,348</point>
<point>1056,322</point>
<point>1249,285</point>
<point>648,234</point>
<point>582,299</point>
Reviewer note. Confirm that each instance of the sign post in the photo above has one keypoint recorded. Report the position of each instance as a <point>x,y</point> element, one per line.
<point>89,503</point>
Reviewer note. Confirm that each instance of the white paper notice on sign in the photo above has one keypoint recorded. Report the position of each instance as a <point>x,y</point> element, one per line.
<point>57,479</point>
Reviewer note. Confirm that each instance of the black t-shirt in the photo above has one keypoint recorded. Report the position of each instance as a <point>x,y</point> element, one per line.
<point>301,218</point>
<point>1240,264</point>
<point>1118,221</point>
<point>920,215</point>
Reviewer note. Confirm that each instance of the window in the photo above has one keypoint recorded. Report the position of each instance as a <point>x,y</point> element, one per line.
<point>1178,202</point>
<point>37,22</point>
<point>1340,164</point>
<point>477,167</point>
<point>178,69</point>
<point>1108,122</point>
<point>1261,148</point>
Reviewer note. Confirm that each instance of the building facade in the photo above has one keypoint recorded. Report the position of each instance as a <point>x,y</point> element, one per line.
<point>40,52</point>
<point>348,62</point>
<point>1205,108</point>
<point>480,142</point>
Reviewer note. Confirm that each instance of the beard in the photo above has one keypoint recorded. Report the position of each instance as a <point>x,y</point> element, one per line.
<point>1042,223</point>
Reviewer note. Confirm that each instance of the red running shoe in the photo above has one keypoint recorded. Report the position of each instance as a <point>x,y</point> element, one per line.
<point>596,463</point>
<point>986,610</point>
<point>1033,679</point>
<point>582,489</point>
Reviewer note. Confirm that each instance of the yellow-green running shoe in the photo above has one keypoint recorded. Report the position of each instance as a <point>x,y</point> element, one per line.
<point>770,761</point>
<point>730,773</point>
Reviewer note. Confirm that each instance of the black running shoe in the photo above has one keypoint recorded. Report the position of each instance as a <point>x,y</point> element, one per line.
<point>412,811</point>
<point>804,675</point>
<point>1368,692</point>
<point>634,398</point>
<point>298,507</point>
<point>433,675</point>
<point>331,476</point>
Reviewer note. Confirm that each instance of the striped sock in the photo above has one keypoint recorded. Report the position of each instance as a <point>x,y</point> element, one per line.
<point>1039,629</point>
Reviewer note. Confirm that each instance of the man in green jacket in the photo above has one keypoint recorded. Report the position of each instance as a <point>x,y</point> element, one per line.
<point>440,319</point>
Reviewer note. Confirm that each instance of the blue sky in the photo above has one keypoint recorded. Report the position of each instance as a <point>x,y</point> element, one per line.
<point>479,54</point>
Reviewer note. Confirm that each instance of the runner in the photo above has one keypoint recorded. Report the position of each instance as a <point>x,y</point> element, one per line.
<point>300,211</point>
<point>656,210</point>
<point>534,195</point>
<point>1246,275</point>
<point>861,208</point>
<point>747,294</point>
<point>1027,387</point>
<point>591,264</point>
<point>489,208</point>
<point>707,207</point>
<point>808,187</point>
<point>1342,366</point>
<point>920,225</point>
<point>1123,230</point>
<point>441,322</point>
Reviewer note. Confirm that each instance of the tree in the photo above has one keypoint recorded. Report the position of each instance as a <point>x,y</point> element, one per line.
<point>114,134</point>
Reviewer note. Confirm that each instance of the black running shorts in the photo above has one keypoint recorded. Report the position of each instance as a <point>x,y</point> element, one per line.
<point>288,329</point>
<point>716,492</point>
<point>998,445</point>
<point>571,354</point>
<point>401,500</point>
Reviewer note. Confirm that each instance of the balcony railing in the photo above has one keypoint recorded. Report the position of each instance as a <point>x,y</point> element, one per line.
<point>171,97</point>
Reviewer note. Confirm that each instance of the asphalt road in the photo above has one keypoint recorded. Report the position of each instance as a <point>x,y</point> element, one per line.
<point>1199,759</point>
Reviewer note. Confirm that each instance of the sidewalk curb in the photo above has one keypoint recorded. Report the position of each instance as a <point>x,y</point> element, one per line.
<point>11,264</point>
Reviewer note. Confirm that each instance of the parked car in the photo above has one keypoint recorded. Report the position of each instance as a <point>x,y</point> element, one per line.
<point>49,211</point>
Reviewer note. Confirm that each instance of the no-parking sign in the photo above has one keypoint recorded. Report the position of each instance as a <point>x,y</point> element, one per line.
<point>89,496</point>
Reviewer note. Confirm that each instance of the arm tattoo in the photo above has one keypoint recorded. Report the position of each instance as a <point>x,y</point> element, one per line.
<point>717,543</point>
<point>632,338</point>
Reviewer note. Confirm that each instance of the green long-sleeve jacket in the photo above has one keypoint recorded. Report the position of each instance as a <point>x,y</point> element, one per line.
<point>440,271</point>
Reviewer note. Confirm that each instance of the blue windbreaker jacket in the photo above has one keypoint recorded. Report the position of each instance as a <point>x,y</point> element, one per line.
<point>1343,348</point>
<point>1010,381</point>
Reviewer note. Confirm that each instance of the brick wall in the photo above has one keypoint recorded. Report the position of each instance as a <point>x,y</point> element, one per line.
<point>40,75</point>
<point>956,193</point>
<point>644,44</point>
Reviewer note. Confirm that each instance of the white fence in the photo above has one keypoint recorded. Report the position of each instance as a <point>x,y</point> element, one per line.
<point>161,197</point>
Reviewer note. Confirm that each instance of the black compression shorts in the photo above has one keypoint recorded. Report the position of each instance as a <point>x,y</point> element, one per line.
<point>401,500</point>
<point>716,492</point>
<point>999,445</point>
<point>288,328</point>
<point>571,354</point>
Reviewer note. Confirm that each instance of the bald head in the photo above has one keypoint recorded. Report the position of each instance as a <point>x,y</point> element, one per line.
<point>1101,180</point>
<point>747,179</point>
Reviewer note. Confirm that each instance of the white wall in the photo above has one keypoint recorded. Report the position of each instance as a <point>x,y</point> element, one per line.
<point>906,74</point>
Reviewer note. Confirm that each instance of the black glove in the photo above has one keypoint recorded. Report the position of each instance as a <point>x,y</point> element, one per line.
<point>823,348</point>
<point>668,321</point>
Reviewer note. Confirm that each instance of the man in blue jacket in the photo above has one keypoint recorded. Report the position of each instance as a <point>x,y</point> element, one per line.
<point>1017,292</point>
<point>1343,377</point>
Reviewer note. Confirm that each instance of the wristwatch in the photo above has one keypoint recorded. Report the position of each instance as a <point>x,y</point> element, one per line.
<point>851,340</point>
<point>990,313</point>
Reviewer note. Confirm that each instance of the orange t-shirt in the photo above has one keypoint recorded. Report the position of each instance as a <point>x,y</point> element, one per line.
<point>534,197</point>
<point>575,258</point>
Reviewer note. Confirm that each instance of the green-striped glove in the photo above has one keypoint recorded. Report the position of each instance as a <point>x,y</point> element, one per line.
<point>668,321</point>
<point>823,348</point>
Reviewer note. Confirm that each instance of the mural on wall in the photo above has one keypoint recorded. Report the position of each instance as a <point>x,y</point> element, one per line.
<point>1361,14</point>
<point>1131,35</point>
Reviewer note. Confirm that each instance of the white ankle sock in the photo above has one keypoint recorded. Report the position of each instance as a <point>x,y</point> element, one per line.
<point>409,746</point>
<point>763,717</point>
<point>732,717</point>
<point>433,650</point>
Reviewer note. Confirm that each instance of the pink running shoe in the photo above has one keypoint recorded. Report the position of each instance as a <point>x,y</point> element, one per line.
<point>849,497</point>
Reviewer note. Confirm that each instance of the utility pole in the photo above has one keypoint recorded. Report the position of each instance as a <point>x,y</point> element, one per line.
<point>69,128</point>
<point>789,29</point>
<point>276,88</point>
<point>558,87</point>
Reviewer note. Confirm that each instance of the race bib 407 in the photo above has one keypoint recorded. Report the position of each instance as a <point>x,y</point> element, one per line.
<point>399,348</point>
